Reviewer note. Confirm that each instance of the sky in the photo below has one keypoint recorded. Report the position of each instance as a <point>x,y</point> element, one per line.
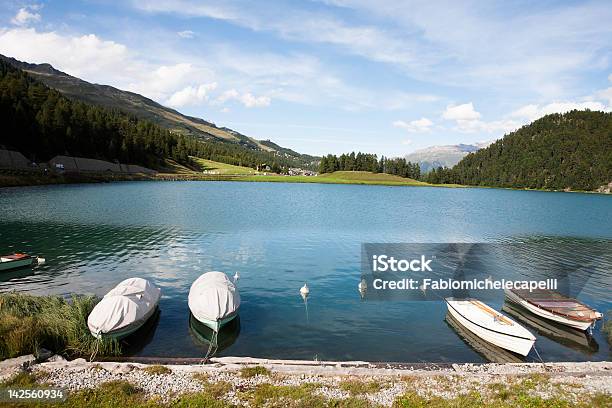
<point>332,76</point>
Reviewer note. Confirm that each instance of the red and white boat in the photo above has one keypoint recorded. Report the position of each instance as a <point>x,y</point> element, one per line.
<point>14,261</point>
<point>554,306</point>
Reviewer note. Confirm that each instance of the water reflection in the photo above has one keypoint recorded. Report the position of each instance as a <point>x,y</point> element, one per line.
<point>489,351</point>
<point>137,341</point>
<point>572,338</point>
<point>15,274</point>
<point>205,336</point>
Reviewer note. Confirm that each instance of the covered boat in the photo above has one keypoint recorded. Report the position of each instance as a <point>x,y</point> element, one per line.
<point>556,307</point>
<point>490,325</point>
<point>124,309</point>
<point>15,261</point>
<point>214,299</point>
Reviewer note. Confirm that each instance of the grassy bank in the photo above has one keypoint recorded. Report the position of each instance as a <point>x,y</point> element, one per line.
<point>28,322</point>
<point>270,390</point>
<point>221,168</point>
<point>346,177</point>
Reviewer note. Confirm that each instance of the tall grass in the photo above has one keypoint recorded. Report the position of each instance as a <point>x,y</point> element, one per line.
<point>607,327</point>
<point>28,322</point>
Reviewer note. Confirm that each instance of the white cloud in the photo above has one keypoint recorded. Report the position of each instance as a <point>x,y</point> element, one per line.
<point>407,142</point>
<point>605,94</point>
<point>465,111</point>
<point>532,112</point>
<point>456,43</point>
<point>26,15</point>
<point>247,99</point>
<point>186,34</point>
<point>414,126</point>
<point>87,56</point>
<point>162,82</point>
<point>467,120</point>
<point>191,95</point>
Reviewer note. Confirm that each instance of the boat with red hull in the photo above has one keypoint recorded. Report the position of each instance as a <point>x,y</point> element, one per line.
<point>555,306</point>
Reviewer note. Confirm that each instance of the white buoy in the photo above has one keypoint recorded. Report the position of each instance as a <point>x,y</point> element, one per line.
<point>304,291</point>
<point>40,261</point>
<point>236,276</point>
<point>363,286</point>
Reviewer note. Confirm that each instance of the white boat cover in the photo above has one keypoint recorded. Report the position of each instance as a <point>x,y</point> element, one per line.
<point>213,297</point>
<point>130,303</point>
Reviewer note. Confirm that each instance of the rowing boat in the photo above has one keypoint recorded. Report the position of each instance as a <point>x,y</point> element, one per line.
<point>214,300</point>
<point>556,307</point>
<point>489,351</point>
<point>490,325</point>
<point>15,261</point>
<point>560,333</point>
<point>124,309</point>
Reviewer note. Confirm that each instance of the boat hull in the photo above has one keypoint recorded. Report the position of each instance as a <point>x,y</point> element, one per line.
<point>491,352</point>
<point>509,342</point>
<point>216,325</point>
<point>16,264</point>
<point>126,331</point>
<point>576,324</point>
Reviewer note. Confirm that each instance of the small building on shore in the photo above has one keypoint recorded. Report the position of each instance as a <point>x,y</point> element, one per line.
<point>85,165</point>
<point>10,159</point>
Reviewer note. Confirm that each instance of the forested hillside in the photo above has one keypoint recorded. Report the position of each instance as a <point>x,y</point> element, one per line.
<point>40,122</point>
<point>571,150</point>
<point>109,97</point>
<point>369,162</point>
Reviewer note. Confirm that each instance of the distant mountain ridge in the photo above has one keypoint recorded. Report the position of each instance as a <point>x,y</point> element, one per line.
<point>442,156</point>
<point>144,108</point>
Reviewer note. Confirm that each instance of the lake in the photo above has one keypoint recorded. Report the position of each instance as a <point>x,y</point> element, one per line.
<point>279,236</point>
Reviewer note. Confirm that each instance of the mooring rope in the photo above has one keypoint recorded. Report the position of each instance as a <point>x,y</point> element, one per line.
<point>540,357</point>
<point>94,353</point>
<point>213,344</point>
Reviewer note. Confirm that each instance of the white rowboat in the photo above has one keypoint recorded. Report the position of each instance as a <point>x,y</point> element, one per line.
<point>490,325</point>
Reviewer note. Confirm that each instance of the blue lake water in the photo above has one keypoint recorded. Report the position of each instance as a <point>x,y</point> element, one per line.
<point>279,236</point>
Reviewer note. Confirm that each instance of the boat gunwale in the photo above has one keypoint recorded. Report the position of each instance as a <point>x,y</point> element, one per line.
<point>550,310</point>
<point>491,330</point>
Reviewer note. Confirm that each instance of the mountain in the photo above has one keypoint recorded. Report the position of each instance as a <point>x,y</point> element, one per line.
<point>442,156</point>
<point>558,151</point>
<point>145,108</point>
<point>41,122</point>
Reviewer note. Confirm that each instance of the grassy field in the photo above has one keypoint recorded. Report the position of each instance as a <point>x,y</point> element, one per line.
<point>345,177</point>
<point>208,170</point>
<point>221,168</point>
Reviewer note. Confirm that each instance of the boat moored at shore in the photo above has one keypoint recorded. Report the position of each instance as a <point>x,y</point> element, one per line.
<point>490,325</point>
<point>17,260</point>
<point>555,306</point>
<point>124,309</point>
<point>214,300</point>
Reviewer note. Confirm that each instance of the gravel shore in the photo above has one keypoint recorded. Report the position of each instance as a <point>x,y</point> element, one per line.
<point>338,381</point>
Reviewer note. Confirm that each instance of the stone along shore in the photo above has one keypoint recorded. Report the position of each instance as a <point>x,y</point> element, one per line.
<point>254,382</point>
